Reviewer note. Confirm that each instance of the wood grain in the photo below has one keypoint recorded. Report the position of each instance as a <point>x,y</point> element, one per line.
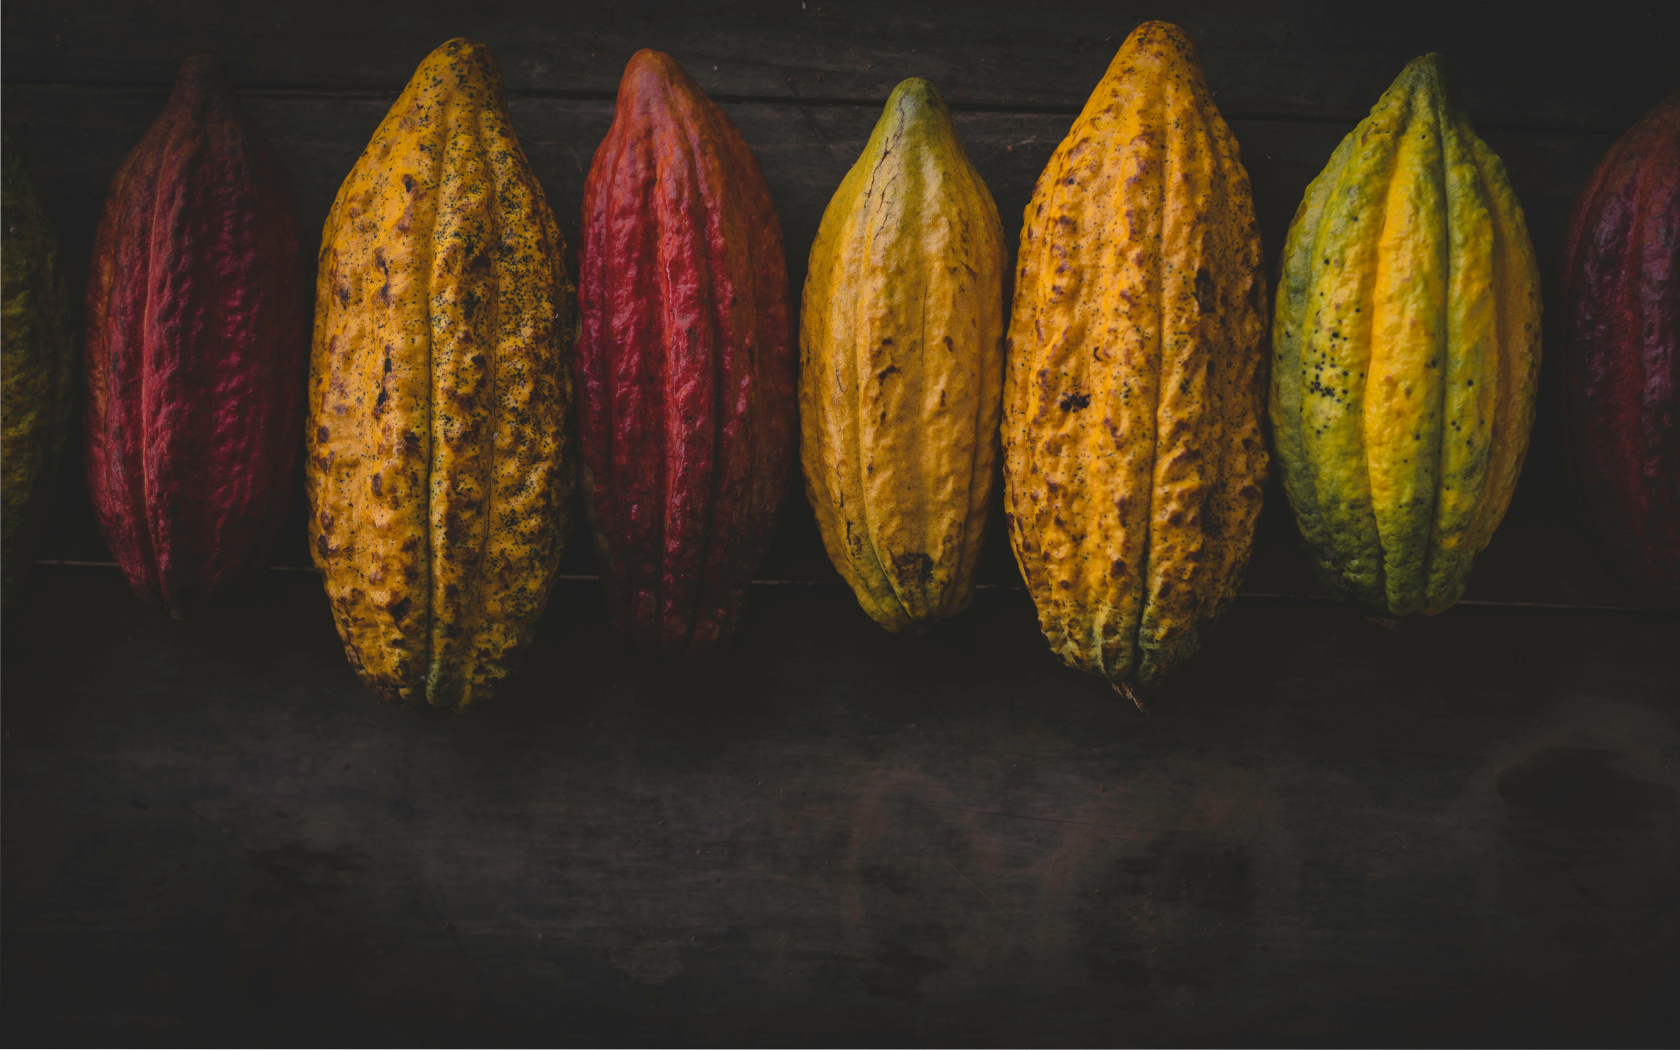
<point>1324,832</point>
<point>1309,59</point>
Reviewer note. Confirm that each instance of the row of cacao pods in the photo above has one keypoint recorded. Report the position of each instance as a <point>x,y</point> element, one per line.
<point>1129,387</point>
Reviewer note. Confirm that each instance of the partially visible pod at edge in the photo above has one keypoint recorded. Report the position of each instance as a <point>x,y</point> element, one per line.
<point>37,371</point>
<point>1619,352</point>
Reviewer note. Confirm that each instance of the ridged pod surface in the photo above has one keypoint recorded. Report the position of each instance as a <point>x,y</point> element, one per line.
<point>685,359</point>
<point>901,379</point>
<point>197,326</point>
<point>440,464</point>
<point>1407,343</point>
<point>1619,322</point>
<point>37,373</point>
<point>1133,455</point>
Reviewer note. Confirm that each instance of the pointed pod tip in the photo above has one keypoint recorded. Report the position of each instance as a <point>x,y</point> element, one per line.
<point>461,45</point>
<point>647,61</point>
<point>916,99</point>
<point>1161,32</point>
<point>917,89</point>
<point>201,87</point>
<point>656,73</point>
<point>1156,27</point>
<point>1155,46</point>
<point>1432,68</point>
<point>1429,78</point>
<point>202,64</point>
<point>465,51</point>
<point>202,72</point>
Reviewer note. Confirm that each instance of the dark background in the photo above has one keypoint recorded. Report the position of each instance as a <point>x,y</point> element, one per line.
<point>1461,831</point>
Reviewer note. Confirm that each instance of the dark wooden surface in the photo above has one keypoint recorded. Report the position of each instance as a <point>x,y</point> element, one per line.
<point>1325,832</point>
<point>1464,833</point>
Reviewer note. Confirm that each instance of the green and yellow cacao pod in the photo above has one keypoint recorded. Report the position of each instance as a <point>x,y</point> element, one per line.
<point>1133,454</point>
<point>37,374</point>
<point>901,379</point>
<point>1407,343</point>
<point>439,458</point>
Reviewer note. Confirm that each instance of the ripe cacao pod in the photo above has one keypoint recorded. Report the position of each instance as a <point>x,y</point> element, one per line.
<point>901,378</point>
<point>684,355</point>
<point>1407,341</point>
<point>1133,455</point>
<point>439,461</point>
<point>37,375</point>
<point>1619,284</point>
<point>196,327</point>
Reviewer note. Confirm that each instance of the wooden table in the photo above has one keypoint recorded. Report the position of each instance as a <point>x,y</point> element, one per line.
<point>1463,831</point>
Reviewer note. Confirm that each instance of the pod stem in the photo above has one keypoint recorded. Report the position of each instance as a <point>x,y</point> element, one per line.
<point>1130,692</point>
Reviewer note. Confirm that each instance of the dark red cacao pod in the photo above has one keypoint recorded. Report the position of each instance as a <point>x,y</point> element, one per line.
<point>197,337</point>
<point>1619,285</point>
<point>684,362</point>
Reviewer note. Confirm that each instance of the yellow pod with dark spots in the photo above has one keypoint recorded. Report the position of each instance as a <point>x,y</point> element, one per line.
<point>901,379</point>
<point>440,463</point>
<point>1133,454</point>
<point>1407,345</point>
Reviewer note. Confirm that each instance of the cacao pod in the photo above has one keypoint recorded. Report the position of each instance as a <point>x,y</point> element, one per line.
<point>37,375</point>
<point>1407,341</point>
<point>196,328</point>
<point>1133,455</point>
<point>1619,284</point>
<point>439,460</point>
<point>901,378</point>
<point>684,355</point>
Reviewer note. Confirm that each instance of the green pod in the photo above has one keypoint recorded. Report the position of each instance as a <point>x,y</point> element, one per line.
<point>1407,343</point>
<point>37,371</point>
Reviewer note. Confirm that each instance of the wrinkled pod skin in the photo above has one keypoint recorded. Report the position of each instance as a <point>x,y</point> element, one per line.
<point>901,374</point>
<point>197,325</point>
<point>687,407</point>
<point>1618,325</point>
<point>1407,346</point>
<point>439,457</point>
<point>37,373</point>
<point>1133,455</point>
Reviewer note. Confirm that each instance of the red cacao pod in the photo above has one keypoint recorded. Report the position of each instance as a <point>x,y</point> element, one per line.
<point>684,362</point>
<point>1619,285</point>
<point>197,333</point>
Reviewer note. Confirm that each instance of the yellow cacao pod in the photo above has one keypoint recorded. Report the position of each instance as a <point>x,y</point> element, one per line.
<point>902,366</point>
<point>440,463</point>
<point>1133,456</point>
